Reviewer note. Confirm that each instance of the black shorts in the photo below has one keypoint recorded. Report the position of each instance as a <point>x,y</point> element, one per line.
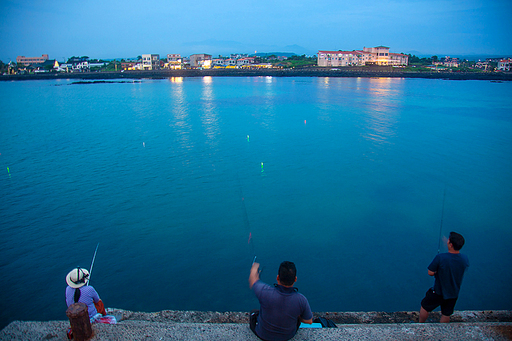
<point>433,300</point>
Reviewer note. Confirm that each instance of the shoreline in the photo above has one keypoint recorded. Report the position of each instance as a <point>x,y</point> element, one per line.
<point>356,72</point>
<point>370,317</point>
<point>210,325</point>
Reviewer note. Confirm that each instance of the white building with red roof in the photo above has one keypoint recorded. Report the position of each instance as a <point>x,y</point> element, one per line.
<point>505,64</point>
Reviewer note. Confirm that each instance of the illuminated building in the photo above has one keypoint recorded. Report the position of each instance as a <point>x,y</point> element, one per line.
<point>505,64</point>
<point>174,61</point>
<point>150,62</point>
<point>200,61</point>
<point>379,55</point>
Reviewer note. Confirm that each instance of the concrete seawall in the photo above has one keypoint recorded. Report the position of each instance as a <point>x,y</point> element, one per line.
<point>197,325</point>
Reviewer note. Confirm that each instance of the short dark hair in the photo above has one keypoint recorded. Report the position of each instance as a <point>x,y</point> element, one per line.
<point>457,240</point>
<point>287,273</point>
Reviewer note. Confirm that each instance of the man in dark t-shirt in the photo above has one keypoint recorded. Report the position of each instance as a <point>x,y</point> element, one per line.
<point>282,308</point>
<point>448,269</point>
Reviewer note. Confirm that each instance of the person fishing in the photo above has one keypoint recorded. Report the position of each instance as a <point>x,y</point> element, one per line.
<point>78,291</point>
<point>282,308</point>
<point>448,269</point>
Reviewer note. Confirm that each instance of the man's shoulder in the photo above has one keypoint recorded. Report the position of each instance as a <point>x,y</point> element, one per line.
<point>260,285</point>
<point>457,257</point>
<point>465,258</point>
<point>301,296</point>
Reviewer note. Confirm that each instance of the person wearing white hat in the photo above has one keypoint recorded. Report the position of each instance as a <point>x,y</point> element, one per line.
<point>78,291</point>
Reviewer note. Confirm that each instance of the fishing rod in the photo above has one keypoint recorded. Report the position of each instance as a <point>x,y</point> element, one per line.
<point>441,227</point>
<point>246,220</point>
<point>92,264</point>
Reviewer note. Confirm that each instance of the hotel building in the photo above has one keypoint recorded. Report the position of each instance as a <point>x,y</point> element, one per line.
<point>379,55</point>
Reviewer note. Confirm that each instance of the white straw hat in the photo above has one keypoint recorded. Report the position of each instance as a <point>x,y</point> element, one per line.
<point>77,277</point>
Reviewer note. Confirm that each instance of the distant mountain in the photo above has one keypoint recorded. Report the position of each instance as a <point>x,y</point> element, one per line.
<point>477,57</point>
<point>417,53</point>
<point>472,57</point>
<point>300,50</point>
<point>278,54</point>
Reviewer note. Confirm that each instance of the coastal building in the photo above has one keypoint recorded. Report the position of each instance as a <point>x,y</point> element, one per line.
<point>150,62</point>
<point>80,64</point>
<point>31,60</point>
<point>129,66</point>
<point>174,61</point>
<point>231,62</point>
<point>379,55</point>
<point>238,55</point>
<point>398,59</point>
<point>235,61</point>
<point>485,65</point>
<point>261,66</point>
<point>245,61</point>
<point>343,58</point>
<point>201,61</point>
<point>505,64</point>
<point>218,62</point>
<point>448,62</point>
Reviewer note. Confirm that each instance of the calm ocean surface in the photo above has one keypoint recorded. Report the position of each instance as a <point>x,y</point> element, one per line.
<point>343,176</point>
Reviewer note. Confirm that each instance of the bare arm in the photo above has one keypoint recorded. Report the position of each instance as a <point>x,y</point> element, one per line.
<point>431,273</point>
<point>310,321</point>
<point>254,275</point>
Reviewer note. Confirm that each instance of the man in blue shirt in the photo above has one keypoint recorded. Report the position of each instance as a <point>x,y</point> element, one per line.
<point>448,269</point>
<point>282,308</point>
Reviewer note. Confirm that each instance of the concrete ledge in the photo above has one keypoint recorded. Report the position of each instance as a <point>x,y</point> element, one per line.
<point>372,317</point>
<point>171,325</point>
<point>144,330</point>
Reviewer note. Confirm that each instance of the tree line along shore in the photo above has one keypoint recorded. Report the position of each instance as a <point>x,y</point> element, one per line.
<point>381,72</point>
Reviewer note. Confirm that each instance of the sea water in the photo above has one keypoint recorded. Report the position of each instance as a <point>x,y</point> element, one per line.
<point>183,181</point>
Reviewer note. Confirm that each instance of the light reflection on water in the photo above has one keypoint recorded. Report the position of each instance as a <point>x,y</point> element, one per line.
<point>209,113</point>
<point>383,109</point>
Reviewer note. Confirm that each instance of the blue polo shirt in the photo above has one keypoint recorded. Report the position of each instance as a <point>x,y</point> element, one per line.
<point>450,269</point>
<point>280,309</point>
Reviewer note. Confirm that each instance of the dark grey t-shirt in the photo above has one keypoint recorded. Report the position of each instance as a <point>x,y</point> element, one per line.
<point>280,309</point>
<point>449,268</point>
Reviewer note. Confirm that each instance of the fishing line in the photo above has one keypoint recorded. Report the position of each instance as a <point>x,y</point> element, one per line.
<point>441,227</point>
<point>247,225</point>
<point>92,264</point>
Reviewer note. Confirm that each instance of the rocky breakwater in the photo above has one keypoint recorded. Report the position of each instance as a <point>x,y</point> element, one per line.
<point>364,72</point>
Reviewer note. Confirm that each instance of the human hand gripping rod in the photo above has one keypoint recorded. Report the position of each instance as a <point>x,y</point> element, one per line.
<point>92,264</point>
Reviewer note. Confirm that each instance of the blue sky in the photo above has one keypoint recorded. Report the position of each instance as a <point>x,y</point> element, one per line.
<point>126,29</point>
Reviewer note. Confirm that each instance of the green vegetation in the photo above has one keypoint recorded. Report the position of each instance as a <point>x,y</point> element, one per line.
<point>112,66</point>
<point>426,64</point>
<point>417,61</point>
<point>294,61</point>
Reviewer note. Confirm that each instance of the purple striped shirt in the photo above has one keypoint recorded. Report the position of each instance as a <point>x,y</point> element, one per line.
<point>88,295</point>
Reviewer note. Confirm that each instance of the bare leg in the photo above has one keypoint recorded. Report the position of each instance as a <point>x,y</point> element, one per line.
<point>444,319</point>
<point>423,315</point>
